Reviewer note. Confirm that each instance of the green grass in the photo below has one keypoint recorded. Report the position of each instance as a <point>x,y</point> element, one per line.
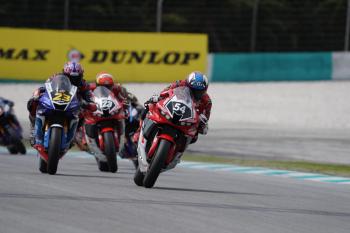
<point>331,169</point>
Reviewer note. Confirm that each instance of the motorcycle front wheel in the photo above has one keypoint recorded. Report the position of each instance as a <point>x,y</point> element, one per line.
<point>103,166</point>
<point>138,177</point>
<point>54,150</point>
<point>157,163</point>
<point>42,166</point>
<point>110,152</point>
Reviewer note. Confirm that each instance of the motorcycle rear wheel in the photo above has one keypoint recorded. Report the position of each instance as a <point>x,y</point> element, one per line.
<point>110,152</point>
<point>54,150</point>
<point>157,163</point>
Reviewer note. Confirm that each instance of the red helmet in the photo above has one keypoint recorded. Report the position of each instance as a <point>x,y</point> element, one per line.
<point>104,79</point>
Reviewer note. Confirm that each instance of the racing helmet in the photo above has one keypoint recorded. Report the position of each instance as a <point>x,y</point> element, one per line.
<point>198,83</point>
<point>74,71</point>
<point>104,79</point>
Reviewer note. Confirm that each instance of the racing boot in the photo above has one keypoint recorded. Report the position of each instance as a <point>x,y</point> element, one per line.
<point>128,150</point>
<point>32,130</point>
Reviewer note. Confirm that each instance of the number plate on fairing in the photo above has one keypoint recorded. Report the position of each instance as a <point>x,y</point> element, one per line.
<point>107,104</point>
<point>179,108</point>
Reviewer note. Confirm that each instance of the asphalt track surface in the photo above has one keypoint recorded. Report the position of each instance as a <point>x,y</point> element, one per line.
<point>316,145</point>
<point>80,199</point>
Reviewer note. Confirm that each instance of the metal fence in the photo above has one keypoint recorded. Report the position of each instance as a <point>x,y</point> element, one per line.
<point>232,25</point>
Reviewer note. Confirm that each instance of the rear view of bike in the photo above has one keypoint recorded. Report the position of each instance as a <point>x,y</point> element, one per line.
<point>56,122</point>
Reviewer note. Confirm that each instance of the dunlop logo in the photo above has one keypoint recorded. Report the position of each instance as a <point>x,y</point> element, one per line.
<point>144,57</point>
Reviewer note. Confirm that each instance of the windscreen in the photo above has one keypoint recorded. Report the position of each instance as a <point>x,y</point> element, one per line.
<point>101,92</point>
<point>183,94</point>
<point>60,83</point>
<point>180,105</point>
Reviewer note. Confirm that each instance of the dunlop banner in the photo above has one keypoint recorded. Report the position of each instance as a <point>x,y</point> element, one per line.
<point>28,54</point>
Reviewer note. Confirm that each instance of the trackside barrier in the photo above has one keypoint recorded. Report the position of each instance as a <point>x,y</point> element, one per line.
<point>235,67</point>
<point>341,66</point>
<point>34,55</point>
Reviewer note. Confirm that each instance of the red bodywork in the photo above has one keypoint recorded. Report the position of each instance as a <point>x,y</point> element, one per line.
<point>91,118</point>
<point>156,116</point>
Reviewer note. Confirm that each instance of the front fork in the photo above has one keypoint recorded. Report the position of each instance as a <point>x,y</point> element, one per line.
<point>41,126</point>
<point>97,149</point>
<point>172,158</point>
<point>118,133</point>
<point>141,151</point>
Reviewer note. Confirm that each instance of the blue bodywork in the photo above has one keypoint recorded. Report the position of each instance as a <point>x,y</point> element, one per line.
<point>49,111</point>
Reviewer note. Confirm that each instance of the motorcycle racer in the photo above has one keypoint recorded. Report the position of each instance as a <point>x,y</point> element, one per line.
<point>131,106</point>
<point>75,72</point>
<point>107,80</point>
<point>198,84</point>
<point>12,117</point>
<point>10,128</point>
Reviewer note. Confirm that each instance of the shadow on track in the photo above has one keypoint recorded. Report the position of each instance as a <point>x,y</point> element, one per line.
<point>130,201</point>
<point>94,176</point>
<point>208,191</point>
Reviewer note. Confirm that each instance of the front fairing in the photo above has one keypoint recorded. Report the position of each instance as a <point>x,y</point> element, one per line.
<point>156,116</point>
<point>45,102</point>
<point>74,105</point>
<point>59,96</point>
<point>46,107</point>
<point>108,107</point>
<point>177,110</point>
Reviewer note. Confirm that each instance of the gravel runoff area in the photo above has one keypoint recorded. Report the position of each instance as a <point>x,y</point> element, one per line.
<point>252,112</point>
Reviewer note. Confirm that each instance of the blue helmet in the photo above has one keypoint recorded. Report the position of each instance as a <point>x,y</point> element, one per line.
<point>198,83</point>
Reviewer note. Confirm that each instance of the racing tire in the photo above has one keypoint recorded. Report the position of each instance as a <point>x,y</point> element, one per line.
<point>157,163</point>
<point>103,166</point>
<point>21,148</point>
<point>138,177</point>
<point>136,163</point>
<point>12,149</point>
<point>42,166</point>
<point>54,150</point>
<point>110,151</point>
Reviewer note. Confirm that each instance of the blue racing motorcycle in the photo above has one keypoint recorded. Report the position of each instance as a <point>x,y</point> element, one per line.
<point>56,121</point>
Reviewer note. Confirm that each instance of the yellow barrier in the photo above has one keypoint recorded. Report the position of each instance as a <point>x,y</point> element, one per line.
<point>30,54</point>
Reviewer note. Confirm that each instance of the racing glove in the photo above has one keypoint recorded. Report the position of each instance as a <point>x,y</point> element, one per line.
<point>37,93</point>
<point>154,98</point>
<point>91,106</point>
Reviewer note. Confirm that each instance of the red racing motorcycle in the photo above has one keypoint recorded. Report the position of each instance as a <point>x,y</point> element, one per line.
<point>169,127</point>
<point>102,133</point>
